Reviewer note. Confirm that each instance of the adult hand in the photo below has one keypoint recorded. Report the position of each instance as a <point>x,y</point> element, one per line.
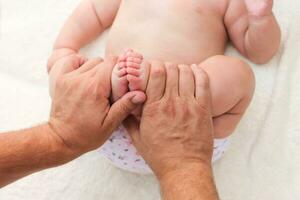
<point>175,135</point>
<point>81,115</point>
<point>175,131</point>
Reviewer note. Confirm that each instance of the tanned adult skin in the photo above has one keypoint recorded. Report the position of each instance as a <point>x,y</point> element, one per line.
<point>179,152</point>
<point>175,135</point>
<point>81,120</point>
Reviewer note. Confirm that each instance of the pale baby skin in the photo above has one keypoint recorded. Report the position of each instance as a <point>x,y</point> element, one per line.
<point>181,32</point>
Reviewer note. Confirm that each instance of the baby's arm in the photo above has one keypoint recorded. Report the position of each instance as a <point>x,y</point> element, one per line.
<point>253,28</point>
<point>87,22</point>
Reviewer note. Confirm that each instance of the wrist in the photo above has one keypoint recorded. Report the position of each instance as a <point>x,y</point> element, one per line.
<point>184,168</point>
<point>176,165</point>
<point>67,136</point>
<point>193,181</point>
<point>59,148</point>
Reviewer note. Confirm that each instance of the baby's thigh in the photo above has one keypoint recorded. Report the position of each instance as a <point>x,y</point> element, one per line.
<point>232,83</point>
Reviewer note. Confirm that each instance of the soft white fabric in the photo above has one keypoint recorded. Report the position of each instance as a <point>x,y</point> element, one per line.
<point>262,162</point>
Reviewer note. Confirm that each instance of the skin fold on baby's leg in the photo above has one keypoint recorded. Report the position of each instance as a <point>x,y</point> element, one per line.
<point>231,80</point>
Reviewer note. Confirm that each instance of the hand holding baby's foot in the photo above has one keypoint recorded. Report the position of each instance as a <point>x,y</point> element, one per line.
<point>259,8</point>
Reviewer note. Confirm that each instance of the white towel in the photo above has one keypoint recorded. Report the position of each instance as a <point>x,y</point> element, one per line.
<point>262,162</point>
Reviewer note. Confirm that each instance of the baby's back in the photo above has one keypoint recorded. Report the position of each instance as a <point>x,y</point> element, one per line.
<point>171,30</point>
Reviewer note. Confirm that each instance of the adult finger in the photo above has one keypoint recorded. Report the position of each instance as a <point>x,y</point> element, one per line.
<point>132,126</point>
<point>102,75</point>
<point>203,93</point>
<point>156,83</point>
<point>90,64</point>
<point>122,108</point>
<point>172,81</point>
<point>186,81</point>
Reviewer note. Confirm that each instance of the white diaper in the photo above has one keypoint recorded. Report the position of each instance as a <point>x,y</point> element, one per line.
<point>121,152</point>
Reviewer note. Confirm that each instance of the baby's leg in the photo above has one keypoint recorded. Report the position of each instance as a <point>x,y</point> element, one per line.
<point>232,85</point>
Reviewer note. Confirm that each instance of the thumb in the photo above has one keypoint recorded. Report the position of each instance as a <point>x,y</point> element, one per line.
<point>122,108</point>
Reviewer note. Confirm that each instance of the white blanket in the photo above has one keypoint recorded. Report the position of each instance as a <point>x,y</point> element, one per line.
<point>261,164</point>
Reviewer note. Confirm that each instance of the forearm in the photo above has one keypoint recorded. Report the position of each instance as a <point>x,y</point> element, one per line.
<point>262,38</point>
<point>193,182</point>
<point>28,151</point>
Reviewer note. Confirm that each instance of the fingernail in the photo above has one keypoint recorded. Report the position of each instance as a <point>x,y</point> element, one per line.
<point>137,99</point>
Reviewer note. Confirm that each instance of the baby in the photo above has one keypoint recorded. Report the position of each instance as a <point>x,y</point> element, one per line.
<point>183,32</point>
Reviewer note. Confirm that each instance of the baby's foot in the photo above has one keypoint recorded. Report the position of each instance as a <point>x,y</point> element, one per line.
<point>130,74</point>
<point>259,8</point>
<point>137,71</point>
<point>119,78</point>
<point>137,76</point>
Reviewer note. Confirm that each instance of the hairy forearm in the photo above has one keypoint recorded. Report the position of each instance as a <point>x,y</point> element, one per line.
<point>28,151</point>
<point>193,182</point>
<point>262,38</point>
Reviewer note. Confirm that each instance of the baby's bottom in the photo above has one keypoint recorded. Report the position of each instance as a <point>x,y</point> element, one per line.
<point>121,152</point>
<point>232,85</point>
